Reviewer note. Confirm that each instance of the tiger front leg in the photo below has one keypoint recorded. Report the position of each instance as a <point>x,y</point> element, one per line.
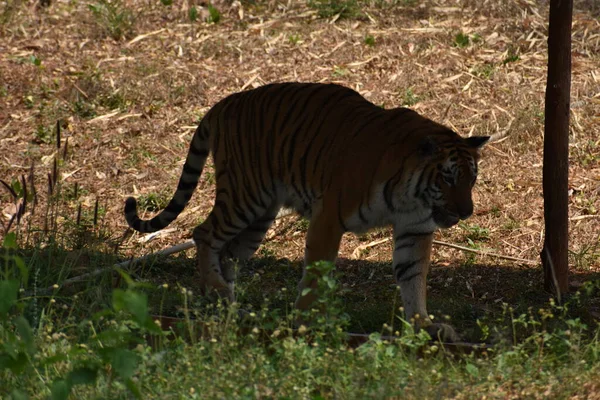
<point>412,251</point>
<point>322,244</point>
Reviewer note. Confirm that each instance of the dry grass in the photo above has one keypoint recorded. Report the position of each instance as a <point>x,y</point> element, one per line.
<point>129,105</point>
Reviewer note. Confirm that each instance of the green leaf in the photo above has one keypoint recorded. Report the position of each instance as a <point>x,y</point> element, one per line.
<point>193,14</point>
<point>18,364</point>
<point>214,14</point>
<point>306,291</point>
<point>133,388</point>
<point>472,370</point>
<point>8,295</point>
<point>16,186</point>
<point>82,376</point>
<point>22,268</point>
<point>60,390</point>
<point>130,282</point>
<point>133,302</point>
<point>10,241</point>
<point>124,362</point>
<point>53,359</point>
<point>18,395</point>
<point>26,333</point>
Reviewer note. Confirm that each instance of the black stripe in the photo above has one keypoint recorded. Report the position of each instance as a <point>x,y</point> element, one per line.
<point>340,213</point>
<point>326,146</point>
<point>301,127</point>
<point>377,114</point>
<point>407,235</point>
<point>203,240</point>
<point>361,215</point>
<point>186,186</point>
<point>410,277</point>
<point>174,207</point>
<point>404,246</point>
<point>191,169</point>
<point>403,267</point>
<point>156,224</point>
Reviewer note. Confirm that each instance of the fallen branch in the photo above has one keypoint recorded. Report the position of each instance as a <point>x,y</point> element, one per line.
<point>173,249</point>
<point>358,251</point>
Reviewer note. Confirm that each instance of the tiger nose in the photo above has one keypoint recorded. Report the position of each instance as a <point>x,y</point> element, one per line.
<point>465,211</point>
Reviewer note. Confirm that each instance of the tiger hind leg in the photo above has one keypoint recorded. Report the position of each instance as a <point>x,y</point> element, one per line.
<point>245,244</point>
<point>222,225</point>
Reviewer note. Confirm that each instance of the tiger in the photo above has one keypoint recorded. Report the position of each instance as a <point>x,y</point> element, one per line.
<point>344,163</point>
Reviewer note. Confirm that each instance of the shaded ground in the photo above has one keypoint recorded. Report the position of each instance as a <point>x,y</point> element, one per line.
<point>128,105</point>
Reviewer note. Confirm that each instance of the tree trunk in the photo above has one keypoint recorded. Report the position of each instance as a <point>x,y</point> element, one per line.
<point>556,148</point>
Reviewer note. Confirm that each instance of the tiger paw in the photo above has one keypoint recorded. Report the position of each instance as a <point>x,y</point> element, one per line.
<point>218,289</point>
<point>442,332</point>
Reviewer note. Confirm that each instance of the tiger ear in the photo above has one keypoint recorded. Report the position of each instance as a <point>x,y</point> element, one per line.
<point>427,147</point>
<point>477,142</point>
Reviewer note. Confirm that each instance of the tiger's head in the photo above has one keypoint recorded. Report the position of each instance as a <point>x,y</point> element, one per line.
<point>451,171</point>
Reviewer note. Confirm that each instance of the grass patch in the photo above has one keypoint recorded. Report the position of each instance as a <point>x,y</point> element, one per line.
<point>346,9</point>
<point>113,18</point>
<point>114,347</point>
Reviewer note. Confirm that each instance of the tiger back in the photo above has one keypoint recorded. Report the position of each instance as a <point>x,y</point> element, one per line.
<point>336,158</point>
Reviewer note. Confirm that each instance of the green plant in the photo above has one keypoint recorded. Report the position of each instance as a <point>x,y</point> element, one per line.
<point>193,14</point>
<point>214,16</point>
<point>512,55</point>
<point>461,40</point>
<point>153,201</point>
<point>113,18</point>
<point>485,71</point>
<point>475,232</point>
<point>409,98</point>
<point>294,39</point>
<point>44,134</point>
<point>84,109</point>
<point>331,8</point>
<point>369,40</point>
<point>339,71</point>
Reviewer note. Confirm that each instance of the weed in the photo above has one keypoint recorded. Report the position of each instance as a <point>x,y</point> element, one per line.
<point>587,255</point>
<point>511,224</point>
<point>339,71</point>
<point>44,134</point>
<point>113,18</point>
<point>330,8</point>
<point>461,40</point>
<point>512,55</point>
<point>33,59</point>
<point>294,39</point>
<point>83,109</point>
<point>409,98</point>
<point>193,14</point>
<point>485,71</point>
<point>214,16</point>
<point>369,40</point>
<point>153,202</point>
<point>495,211</point>
<point>114,101</point>
<point>28,101</point>
<point>302,224</point>
<point>475,232</point>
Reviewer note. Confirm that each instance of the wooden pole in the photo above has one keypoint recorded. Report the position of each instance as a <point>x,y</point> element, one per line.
<point>556,149</point>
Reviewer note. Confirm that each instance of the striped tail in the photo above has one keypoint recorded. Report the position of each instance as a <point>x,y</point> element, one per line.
<point>192,169</point>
